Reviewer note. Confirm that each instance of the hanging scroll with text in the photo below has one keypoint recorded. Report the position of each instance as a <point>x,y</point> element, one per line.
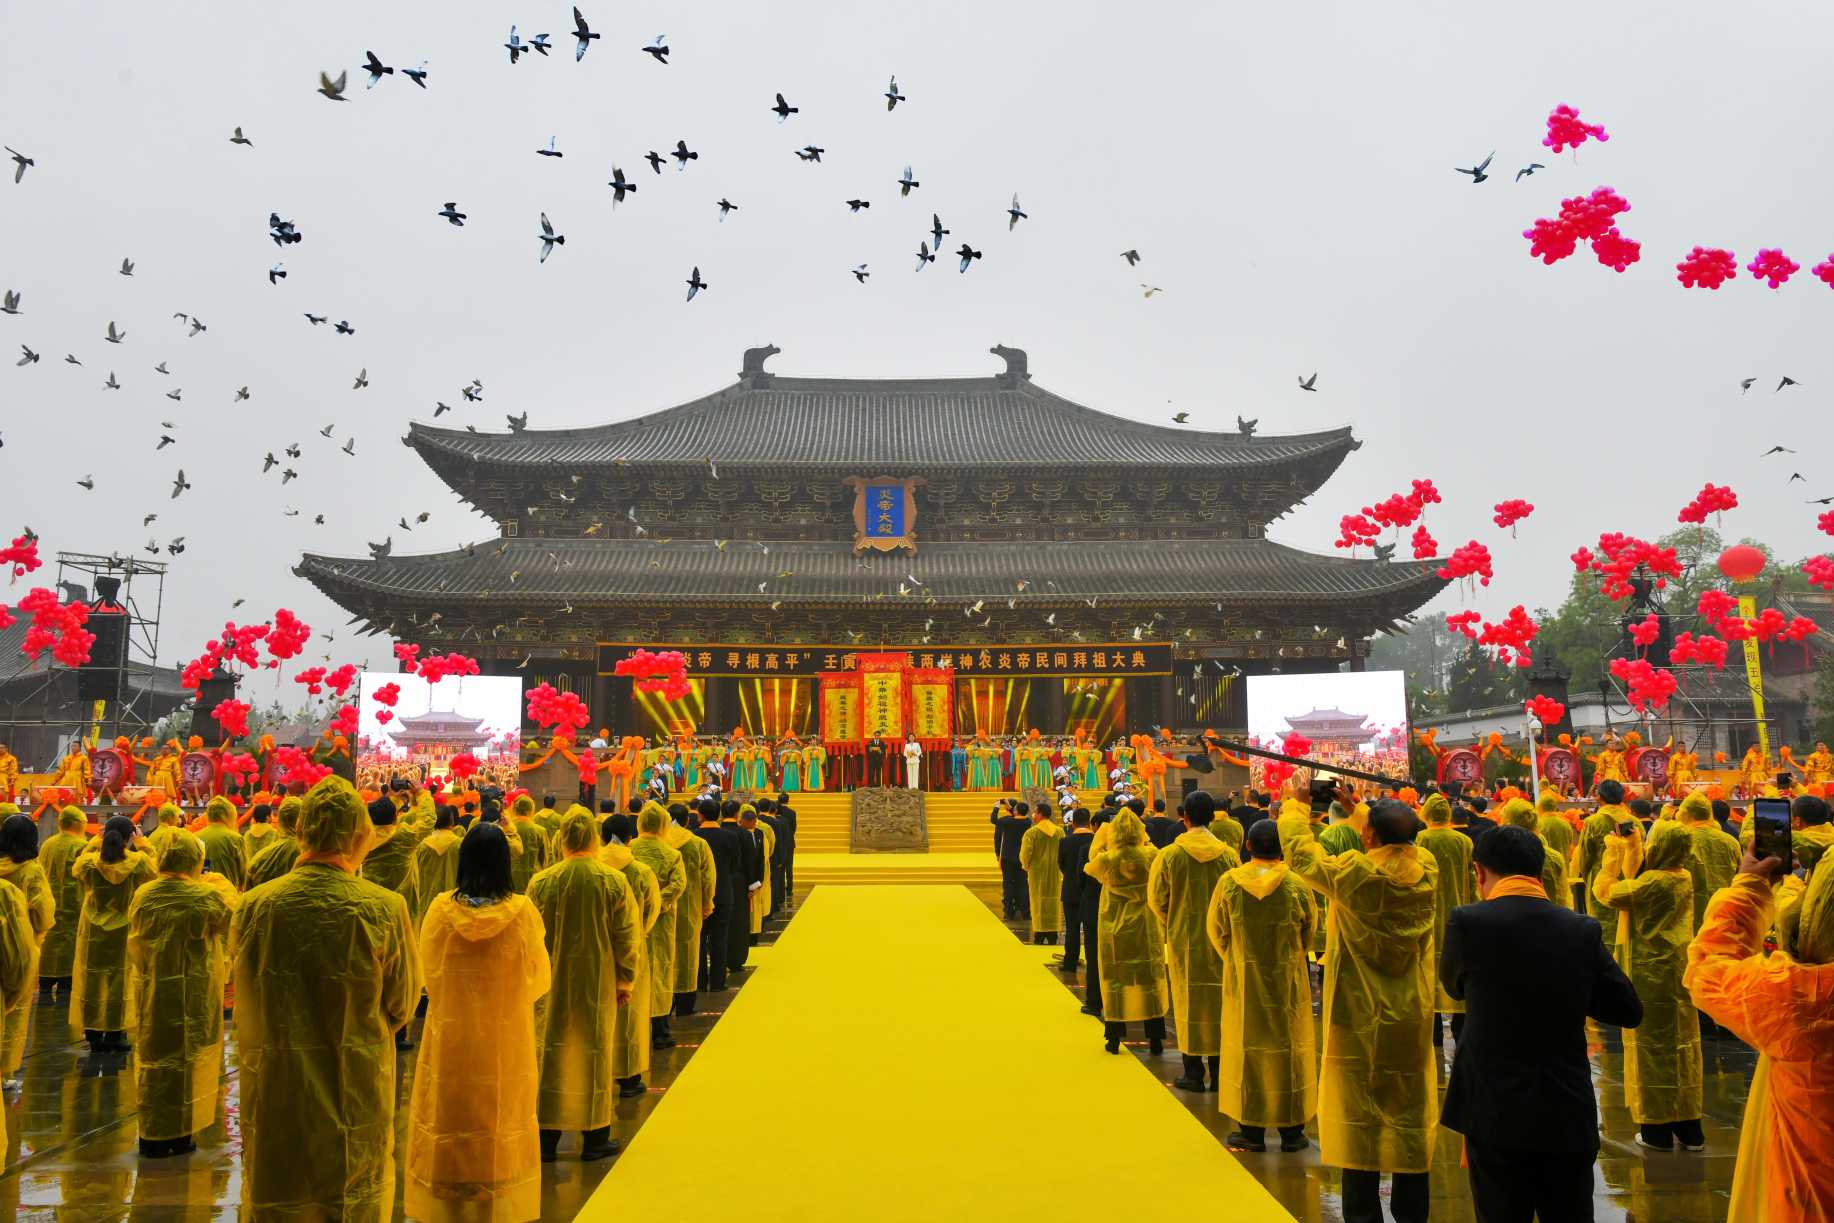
<point>882,695</point>
<point>884,512</point>
<point>932,695</point>
<point>767,659</point>
<point>840,710</point>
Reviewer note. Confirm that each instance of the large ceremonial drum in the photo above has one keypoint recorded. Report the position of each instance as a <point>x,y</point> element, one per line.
<point>1649,764</point>
<point>1462,765</point>
<point>197,771</point>
<point>108,769</point>
<point>1560,765</point>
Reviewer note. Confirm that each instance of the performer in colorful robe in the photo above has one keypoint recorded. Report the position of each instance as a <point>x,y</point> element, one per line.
<point>9,775</point>
<point>1608,762</point>
<point>1683,767</point>
<point>789,765</point>
<point>993,771</point>
<point>73,772</point>
<point>166,773</point>
<point>958,766</point>
<point>815,766</point>
<point>1088,771</point>
<point>1123,754</point>
<point>1817,766</point>
<point>1754,772</point>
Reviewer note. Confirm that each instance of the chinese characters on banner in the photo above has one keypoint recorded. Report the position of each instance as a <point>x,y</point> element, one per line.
<point>840,708</point>
<point>932,707</point>
<point>748,660</point>
<point>882,693</point>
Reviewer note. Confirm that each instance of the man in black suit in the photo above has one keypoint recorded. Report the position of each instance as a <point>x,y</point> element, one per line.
<point>1468,814</point>
<point>1162,829</point>
<point>875,763</point>
<point>1010,821</point>
<point>786,850</point>
<point>1250,811</point>
<point>1072,856</point>
<point>1529,973</point>
<point>751,878</point>
<point>1088,910</point>
<point>729,894</point>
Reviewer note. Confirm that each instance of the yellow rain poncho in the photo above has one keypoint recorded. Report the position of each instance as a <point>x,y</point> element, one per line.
<point>1451,850</point>
<point>1654,923</point>
<point>55,857</point>
<point>671,882</point>
<point>171,820</point>
<point>278,857</point>
<point>1519,813</point>
<point>631,1033</point>
<point>695,905</point>
<point>593,930</point>
<point>1260,924</point>
<point>1590,856</point>
<point>1179,887</point>
<point>223,845</point>
<point>760,902</point>
<point>1782,1005</point>
<point>1043,875</point>
<point>473,1150</point>
<point>1378,1106</point>
<point>436,869</point>
<point>1130,944</point>
<point>1556,833</point>
<point>390,864</point>
<point>537,846</point>
<point>1713,858</point>
<point>99,998</point>
<point>176,945</point>
<point>326,970</point>
<point>37,907</point>
<point>258,836</point>
<point>18,962</point>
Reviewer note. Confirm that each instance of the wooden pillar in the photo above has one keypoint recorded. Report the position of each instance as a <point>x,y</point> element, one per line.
<point>1047,705</point>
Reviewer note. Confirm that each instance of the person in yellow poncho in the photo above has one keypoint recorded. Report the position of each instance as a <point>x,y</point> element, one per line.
<point>435,863</point>
<point>9,775</point>
<point>591,925</point>
<point>1650,892</point>
<point>1556,832</point>
<point>19,867</point>
<point>1130,944</point>
<point>171,819</point>
<point>1260,923</point>
<point>282,852</point>
<point>1683,768</point>
<point>694,908</point>
<point>537,846</point>
<point>55,857</point>
<point>109,870</point>
<point>665,862</point>
<point>260,832</point>
<point>223,845</point>
<point>325,969</point>
<point>1378,1106</point>
<point>1043,875</point>
<point>18,960</point>
<point>1782,1005</point>
<point>630,1041</point>
<point>1589,855</point>
<point>176,956</point>
<point>1517,812</point>
<point>1179,888</point>
<point>1451,850</point>
<point>473,1151</point>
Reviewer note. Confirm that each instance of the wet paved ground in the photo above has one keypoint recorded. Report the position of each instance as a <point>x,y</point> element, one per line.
<point>71,1152</point>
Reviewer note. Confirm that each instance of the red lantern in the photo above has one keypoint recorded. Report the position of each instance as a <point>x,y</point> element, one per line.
<point>1741,563</point>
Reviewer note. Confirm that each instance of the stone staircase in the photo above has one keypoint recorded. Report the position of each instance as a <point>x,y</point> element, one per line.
<point>961,843</point>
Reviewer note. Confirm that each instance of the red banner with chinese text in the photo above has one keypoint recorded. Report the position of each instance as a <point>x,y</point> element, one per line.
<point>882,695</point>
<point>932,699</point>
<point>840,711</point>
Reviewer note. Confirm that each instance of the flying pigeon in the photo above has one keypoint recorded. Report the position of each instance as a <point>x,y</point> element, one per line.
<point>683,155</point>
<point>549,239</point>
<point>70,359</point>
<point>726,206</point>
<point>620,186</point>
<point>583,33</point>
<point>856,205</point>
<point>326,431</point>
<point>316,319</point>
<point>344,328</point>
<point>9,302</point>
<point>550,151</point>
<point>923,255</point>
<point>440,408</point>
<point>453,216</point>
<point>165,439</point>
<point>1528,169</point>
<point>514,45</point>
<point>377,69</point>
<point>362,379</point>
<point>174,394</point>
<point>161,368</point>
<point>659,48</point>
<point>269,462</point>
<point>113,336</point>
<point>1745,384</point>
<point>784,110</point>
<point>655,159</point>
<point>892,96</point>
<point>87,484</point>
<point>1787,381</point>
<point>860,273</point>
<point>474,392</point>
<point>1308,384</point>
<point>241,394</point>
<point>1477,174</point>
<point>276,274</point>
<point>695,285</point>
<point>333,89</point>
<point>1149,289</point>
<point>20,160</point>
<point>239,138</point>
<point>1131,256</point>
<point>1015,214</point>
<point>111,384</point>
<point>906,182</point>
<point>810,152</point>
<point>1180,418</point>
<point>539,43</point>
<point>179,484</point>
<point>349,447</point>
<point>127,267</point>
<point>968,255</point>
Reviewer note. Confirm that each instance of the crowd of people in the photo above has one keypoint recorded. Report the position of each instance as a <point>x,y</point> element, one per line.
<point>1517,920</point>
<point>546,946</point>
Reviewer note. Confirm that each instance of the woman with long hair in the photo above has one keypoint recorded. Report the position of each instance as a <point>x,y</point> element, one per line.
<point>473,1149</point>
<point>110,871</point>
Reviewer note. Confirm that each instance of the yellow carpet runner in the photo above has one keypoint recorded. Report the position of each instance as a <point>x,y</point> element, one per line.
<point>899,1055</point>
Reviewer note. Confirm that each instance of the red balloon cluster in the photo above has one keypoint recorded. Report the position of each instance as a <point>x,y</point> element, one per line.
<point>1565,129</point>
<point>1705,649</point>
<point>1356,530</point>
<point>387,694</point>
<point>1820,571</point>
<point>1716,607</point>
<point>548,707</point>
<point>1707,268</point>
<point>1645,631</point>
<point>1425,546</point>
<point>1585,218</point>
<point>1824,271</point>
<point>1511,639</point>
<point>289,635</point>
<point>664,672</point>
<point>240,767</point>
<point>339,681</point>
<point>232,716</point>
<point>1713,499</point>
<point>1621,556</point>
<point>463,765</point>
<point>588,768</point>
<point>1469,560</point>
<point>1509,513</point>
<point>21,554</point>
<point>384,716</point>
<point>313,678</point>
<point>1826,522</point>
<point>1581,558</point>
<point>436,667</point>
<point>344,721</point>
<point>1645,686</point>
<point>57,627</point>
<point>293,767</point>
<point>1296,745</point>
<point>1545,709</point>
<point>1772,266</point>
<point>1395,510</point>
<point>1464,622</point>
<point>406,654</point>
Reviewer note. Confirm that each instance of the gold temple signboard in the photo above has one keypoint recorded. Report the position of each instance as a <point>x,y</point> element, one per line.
<point>884,512</point>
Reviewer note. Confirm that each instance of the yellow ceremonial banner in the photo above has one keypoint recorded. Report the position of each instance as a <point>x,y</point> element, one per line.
<point>840,711</point>
<point>883,693</point>
<point>1754,675</point>
<point>930,708</point>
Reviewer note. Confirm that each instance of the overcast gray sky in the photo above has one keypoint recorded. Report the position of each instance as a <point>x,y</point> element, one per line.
<point>1286,172</point>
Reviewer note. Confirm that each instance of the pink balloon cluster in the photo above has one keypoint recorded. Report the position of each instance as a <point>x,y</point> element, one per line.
<point>344,721</point>
<point>405,654</point>
<point>1707,268</point>
<point>1468,560</point>
<point>339,681</point>
<point>1355,530</point>
<point>313,678</point>
<point>1713,499</point>
<point>1717,608</point>
<point>293,767</point>
<point>1772,266</point>
<point>288,636</point>
<point>1585,218</point>
<point>1464,622</point>
<point>55,626</point>
<point>664,672</point>
<point>1645,631</point>
<point>1826,522</point>
<point>387,694</point>
<point>1621,556</point>
<point>1565,129</point>
<point>239,767</point>
<point>1824,271</point>
<point>463,765</point>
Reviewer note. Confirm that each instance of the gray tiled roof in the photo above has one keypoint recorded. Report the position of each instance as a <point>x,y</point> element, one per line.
<point>868,424</point>
<point>591,571</point>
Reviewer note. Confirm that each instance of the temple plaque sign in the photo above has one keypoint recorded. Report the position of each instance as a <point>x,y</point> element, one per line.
<point>884,512</point>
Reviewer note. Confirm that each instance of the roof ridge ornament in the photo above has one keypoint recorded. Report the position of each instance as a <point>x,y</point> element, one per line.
<point>752,371</point>
<point>1015,366</point>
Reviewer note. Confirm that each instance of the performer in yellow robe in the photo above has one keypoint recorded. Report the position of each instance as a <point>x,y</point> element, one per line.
<point>9,775</point>
<point>1754,772</point>
<point>73,773</point>
<point>1683,767</point>
<point>1817,766</point>
<point>1608,762</point>
<point>165,775</point>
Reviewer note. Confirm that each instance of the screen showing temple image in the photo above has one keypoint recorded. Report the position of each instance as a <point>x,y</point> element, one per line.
<point>1358,719</point>
<point>403,717</point>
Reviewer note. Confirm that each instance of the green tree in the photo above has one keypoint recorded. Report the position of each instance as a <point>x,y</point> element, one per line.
<point>1478,681</point>
<point>1824,699</point>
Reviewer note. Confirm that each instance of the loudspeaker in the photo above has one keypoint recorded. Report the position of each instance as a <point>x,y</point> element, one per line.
<point>96,679</point>
<point>211,693</point>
